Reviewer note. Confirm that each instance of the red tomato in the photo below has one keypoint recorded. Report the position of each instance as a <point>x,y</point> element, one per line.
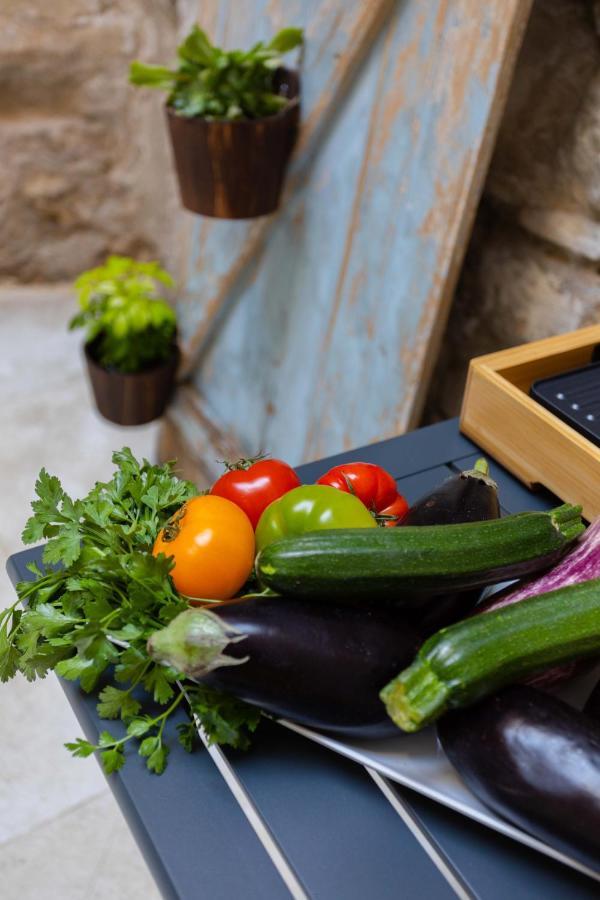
<point>371,484</point>
<point>253,484</point>
<point>398,509</point>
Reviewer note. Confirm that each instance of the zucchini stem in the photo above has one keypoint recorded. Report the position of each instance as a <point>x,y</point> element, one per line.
<point>416,697</point>
<point>567,521</point>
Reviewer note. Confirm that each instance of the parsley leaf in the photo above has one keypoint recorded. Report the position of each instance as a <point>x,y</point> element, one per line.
<point>9,657</point>
<point>79,747</point>
<point>113,759</point>
<point>158,681</point>
<point>157,760</point>
<point>187,735</point>
<point>225,719</point>
<point>116,704</point>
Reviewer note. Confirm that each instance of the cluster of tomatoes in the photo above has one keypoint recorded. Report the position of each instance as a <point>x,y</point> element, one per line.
<point>214,537</point>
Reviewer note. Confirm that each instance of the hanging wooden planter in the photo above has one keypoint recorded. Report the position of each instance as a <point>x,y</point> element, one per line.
<point>235,169</point>
<point>132,399</point>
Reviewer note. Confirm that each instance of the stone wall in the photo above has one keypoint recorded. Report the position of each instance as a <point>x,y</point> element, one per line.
<point>532,268</point>
<point>85,157</point>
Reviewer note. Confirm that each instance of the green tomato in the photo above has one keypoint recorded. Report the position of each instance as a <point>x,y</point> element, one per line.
<point>311,507</point>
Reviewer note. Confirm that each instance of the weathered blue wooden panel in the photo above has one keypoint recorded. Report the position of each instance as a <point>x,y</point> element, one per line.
<point>273,374</point>
<point>316,330</point>
<point>338,35</point>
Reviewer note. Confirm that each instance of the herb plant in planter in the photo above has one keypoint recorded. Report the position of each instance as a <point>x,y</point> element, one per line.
<point>130,348</point>
<point>233,119</point>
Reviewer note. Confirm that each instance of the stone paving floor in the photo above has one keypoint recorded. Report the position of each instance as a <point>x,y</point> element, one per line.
<point>61,833</point>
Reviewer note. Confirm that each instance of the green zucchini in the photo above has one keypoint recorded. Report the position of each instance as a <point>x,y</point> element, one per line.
<point>356,562</point>
<point>460,664</point>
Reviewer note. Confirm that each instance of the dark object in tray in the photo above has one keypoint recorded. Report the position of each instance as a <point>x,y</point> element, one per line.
<point>574,397</point>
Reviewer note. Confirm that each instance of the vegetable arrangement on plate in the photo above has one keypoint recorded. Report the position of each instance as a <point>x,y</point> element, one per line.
<point>300,601</point>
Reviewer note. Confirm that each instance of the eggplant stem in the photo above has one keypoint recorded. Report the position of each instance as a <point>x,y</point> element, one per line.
<point>194,643</point>
<point>481,471</point>
<point>482,466</point>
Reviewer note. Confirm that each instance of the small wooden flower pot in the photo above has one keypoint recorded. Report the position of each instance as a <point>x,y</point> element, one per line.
<point>235,169</point>
<point>132,399</point>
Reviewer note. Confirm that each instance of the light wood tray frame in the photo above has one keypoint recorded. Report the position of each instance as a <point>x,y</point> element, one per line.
<point>527,439</point>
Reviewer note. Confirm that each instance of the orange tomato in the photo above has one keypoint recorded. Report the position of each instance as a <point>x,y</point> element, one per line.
<point>212,542</point>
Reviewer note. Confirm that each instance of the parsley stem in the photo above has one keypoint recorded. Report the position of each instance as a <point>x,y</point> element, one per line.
<point>162,718</point>
<point>139,677</point>
<point>8,612</point>
<point>110,615</point>
<point>168,712</point>
<point>171,708</point>
<point>26,588</point>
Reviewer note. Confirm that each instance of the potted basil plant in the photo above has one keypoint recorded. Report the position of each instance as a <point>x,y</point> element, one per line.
<point>130,346</point>
<point>233,120</point>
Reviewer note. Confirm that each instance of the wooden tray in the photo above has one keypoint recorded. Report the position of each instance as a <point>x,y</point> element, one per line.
<point>527,439</point>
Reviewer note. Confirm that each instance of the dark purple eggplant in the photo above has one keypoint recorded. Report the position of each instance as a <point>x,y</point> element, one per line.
<point>321,665</point>
<point>469,496</point>
<point>533,760</point>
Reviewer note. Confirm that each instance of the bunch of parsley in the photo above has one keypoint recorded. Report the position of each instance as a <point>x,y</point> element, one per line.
<point>89,612</point>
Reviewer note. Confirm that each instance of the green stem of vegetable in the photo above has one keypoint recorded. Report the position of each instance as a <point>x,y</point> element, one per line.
<point>162,718</point>
<point>481,470</point>
<point>567,521</point>
<point>482,466</point>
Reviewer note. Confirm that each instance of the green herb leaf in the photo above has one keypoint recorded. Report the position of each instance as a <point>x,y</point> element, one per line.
<point>149,745</point>
<point>151,76</point>
<point>79,747</point>
<point>9,657</point>
<point>219,84</point>
<point>106,740</point>
<point>131,665</point>
<point>197,48</point>
<point>158,681</point>
<point>157,760</point>
<point>46,619</point>
<point>155,752</point>
<point>116,704</point>
<point>46,509</point>
<point>225,719</point>
<point>187,735</point>
<point>112,760</point>
<point>140,726</point>
<point>286,39</point>
<point>65,547</point>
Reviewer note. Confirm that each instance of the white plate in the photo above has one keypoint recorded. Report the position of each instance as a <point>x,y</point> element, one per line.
<point>416,761</point>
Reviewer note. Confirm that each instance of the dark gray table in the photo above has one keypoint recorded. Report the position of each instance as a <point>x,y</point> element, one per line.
<point>334,833</point>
